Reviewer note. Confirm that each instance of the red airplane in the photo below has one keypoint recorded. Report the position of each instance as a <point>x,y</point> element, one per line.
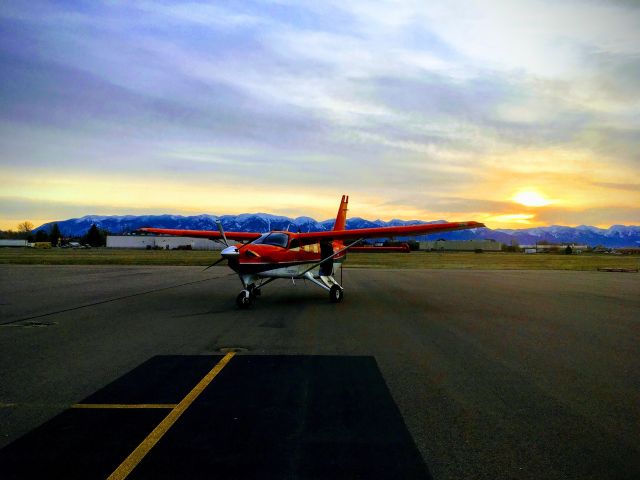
<point>265,257</point>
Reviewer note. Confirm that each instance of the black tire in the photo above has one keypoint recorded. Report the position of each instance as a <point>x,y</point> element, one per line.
<point>242,301</point>
<point>336,294</point>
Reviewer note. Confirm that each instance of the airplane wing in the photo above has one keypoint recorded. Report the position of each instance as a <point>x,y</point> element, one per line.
<point>387,232</point>
<point>210,234</point>
<point>377,232</point>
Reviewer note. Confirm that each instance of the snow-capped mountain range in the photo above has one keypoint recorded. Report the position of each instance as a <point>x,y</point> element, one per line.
<point>612,237</point>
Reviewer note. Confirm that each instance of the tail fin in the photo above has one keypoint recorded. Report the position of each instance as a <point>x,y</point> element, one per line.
<point>341,219</point>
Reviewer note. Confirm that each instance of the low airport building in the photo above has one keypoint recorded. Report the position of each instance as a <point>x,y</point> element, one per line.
<point>461,245</point>
<point>549,248</point>
<point>13,243</point>
<point>154,242</point>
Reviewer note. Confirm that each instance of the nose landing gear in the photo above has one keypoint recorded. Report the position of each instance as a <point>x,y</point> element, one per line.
<point>246,297</point>
<point>244,300</point>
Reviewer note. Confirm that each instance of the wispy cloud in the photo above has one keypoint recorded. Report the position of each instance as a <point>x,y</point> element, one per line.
<point>632,187</point>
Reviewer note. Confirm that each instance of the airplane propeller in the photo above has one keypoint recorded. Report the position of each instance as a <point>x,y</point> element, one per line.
<point>229,251</point>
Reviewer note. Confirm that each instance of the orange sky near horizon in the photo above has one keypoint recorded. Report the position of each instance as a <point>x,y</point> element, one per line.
<point>500,203</point>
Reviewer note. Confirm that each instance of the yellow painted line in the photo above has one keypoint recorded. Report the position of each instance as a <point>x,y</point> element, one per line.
<point>134,458</point>
<point>124,405</point>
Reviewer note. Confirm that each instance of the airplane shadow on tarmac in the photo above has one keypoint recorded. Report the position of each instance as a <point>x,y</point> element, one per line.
<point>260,417</point>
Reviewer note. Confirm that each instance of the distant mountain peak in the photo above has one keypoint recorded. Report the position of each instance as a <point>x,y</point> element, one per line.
<point>614,236</point>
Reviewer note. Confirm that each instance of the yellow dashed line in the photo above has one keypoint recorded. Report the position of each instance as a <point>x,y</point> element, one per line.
<point>124,405</point>
<point>134,458</point>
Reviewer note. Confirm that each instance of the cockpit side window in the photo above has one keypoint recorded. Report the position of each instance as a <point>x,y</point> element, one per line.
<point>295,243</point>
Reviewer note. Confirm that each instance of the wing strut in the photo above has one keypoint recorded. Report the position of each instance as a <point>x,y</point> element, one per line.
<point>331,256</point>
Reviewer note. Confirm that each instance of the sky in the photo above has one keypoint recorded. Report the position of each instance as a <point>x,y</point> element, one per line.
<point>514,113</point>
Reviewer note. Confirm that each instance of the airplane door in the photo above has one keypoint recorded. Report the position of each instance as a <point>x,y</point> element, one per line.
<point>296,251</point>
<point>326,250</point>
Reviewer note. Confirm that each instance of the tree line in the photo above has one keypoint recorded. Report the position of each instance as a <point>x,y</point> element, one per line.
<point>95,237</point>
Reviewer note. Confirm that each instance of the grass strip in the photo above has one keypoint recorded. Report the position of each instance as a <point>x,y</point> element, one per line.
<point>421,260</point>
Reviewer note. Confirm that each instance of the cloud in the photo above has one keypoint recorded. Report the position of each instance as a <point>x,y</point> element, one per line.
<point>20,208</point>
<point>466,101</point>
<point>632,187</point>
<point>204,14</point>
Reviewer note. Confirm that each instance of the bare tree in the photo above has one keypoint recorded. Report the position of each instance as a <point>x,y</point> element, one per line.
<point>25,227</point>
<point>55,235</point>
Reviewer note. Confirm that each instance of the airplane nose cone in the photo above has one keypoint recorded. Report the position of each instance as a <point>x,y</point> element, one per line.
<point>230,252</point>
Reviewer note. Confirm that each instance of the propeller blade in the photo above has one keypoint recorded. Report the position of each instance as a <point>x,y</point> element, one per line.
<point>224,237</point>
<point>215,263</point>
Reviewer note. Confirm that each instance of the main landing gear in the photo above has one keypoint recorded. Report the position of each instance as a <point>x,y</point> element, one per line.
<point>336,294</point>
<point>247,297</point>
<point>327,282</point>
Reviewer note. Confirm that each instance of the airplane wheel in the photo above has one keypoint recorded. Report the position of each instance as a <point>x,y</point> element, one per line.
<point>336,294</point>
<point>242,300</point>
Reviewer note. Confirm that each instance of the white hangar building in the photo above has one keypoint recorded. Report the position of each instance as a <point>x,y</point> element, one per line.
<point>161,242</point>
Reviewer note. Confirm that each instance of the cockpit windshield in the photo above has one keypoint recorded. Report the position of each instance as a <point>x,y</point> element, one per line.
<point>273,238</point>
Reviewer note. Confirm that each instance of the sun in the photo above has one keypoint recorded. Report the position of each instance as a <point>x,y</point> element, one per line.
<point>530,198</point>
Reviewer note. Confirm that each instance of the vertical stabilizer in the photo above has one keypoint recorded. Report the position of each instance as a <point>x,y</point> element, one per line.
<point>341,218</point>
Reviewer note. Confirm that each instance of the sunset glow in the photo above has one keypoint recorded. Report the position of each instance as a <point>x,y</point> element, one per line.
<point>531,199</point>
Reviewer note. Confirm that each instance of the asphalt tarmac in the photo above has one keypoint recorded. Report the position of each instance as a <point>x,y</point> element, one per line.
<point>443,374</point>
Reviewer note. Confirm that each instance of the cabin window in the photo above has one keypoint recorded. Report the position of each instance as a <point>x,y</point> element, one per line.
<point>295,243</point>
<point>314,247</point>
